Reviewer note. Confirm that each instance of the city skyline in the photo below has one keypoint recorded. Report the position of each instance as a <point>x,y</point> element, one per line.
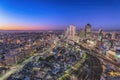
<point>60,55</point>
<point>56,14</point>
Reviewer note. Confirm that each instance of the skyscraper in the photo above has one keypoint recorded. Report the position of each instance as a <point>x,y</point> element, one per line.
<point>67,32</point>
<point>71,31</point>
<point>99,39</point>
<point>82,33</point>
<point>100,35</point>
<point>88,31</point>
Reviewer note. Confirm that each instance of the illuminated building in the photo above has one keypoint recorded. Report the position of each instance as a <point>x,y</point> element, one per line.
<point>71,31</point>
<point>10,59</point>
<point>99,40</point>
<point>88,31</point>
<point>82,33</point>
<point>67,32</point>
<point>100,35</point>
<point>108,35</point>
<point>107,43</point>
<point>115,36</point>
<point>117,48</point>
<point>18,41</point>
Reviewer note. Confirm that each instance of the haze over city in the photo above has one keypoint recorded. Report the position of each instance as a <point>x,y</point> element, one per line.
<point>58,14</point>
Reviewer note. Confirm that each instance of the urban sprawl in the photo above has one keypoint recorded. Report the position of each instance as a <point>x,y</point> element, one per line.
<point>72,54</point>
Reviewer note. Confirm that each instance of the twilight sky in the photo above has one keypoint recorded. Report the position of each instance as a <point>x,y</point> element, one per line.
<point>58,14</point>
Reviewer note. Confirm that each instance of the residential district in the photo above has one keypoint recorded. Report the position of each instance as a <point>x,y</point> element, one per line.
<point>71,54</point>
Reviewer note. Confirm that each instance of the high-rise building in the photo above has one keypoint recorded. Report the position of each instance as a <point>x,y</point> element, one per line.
<point>67,32</point>
<point>88,31</point>
<point>82,33</point>
<point>100,35</point>
<point>99,39</point>
<point>114,35</point>
<point>70,32</point>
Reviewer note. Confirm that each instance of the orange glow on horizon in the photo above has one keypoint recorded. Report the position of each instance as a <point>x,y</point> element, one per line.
<point>21,28</point>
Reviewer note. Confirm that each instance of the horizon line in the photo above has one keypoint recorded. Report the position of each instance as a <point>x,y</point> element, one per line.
<point>59,29</point>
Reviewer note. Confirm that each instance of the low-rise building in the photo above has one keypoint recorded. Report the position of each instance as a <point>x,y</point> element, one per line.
<point>10,59</point>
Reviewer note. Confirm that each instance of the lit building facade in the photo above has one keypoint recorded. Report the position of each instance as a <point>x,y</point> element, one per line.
<point>99,39</point>
<point>88,31</point>
<point>67,32</point>
<point>82,33</point>
<point>100,35</point>
<point>71,31</point>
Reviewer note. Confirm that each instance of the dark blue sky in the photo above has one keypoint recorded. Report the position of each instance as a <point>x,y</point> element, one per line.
<point>58,14</point>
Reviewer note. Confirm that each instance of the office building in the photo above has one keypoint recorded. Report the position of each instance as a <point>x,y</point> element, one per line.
<point>88,31</point>
<point>67,32</point>
<point>100,35</point>
<point>71,31</point>
<point>82,33</point>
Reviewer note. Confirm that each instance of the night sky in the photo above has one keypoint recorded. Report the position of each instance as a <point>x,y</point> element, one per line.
<point>59,14</point>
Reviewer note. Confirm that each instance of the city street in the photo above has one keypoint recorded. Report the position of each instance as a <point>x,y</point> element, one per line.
<point>15,68</point>
<point>90,67</point>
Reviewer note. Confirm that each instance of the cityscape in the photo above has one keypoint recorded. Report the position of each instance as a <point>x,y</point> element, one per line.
<point>32,50</point>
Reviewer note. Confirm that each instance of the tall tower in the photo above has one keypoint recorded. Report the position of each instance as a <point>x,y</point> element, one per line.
<point>99,39</point>
<point>67,32</point>
<point>82,33</point>
<point>88,31</point>
<point>100,35</point>
<point>72,32</point>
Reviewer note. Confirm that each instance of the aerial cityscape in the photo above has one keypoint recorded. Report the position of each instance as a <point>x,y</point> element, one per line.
<point>59,40</point>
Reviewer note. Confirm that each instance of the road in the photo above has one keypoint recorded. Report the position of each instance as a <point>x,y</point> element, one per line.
<point>15,69</point>
<point>20,66</point>
<point>96,53</point>
<point>90,67</point>
<point>95,66</point>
